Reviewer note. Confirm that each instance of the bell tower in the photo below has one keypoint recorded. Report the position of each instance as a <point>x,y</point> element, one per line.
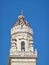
<point>22,48</point>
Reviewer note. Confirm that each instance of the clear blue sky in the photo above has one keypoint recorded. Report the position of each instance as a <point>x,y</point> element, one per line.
<point>36,12</point>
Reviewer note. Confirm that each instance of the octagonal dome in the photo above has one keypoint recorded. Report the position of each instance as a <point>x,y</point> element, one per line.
<point>21,26</point>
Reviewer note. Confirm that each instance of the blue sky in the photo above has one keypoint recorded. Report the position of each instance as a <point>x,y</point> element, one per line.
<point>36,12</point>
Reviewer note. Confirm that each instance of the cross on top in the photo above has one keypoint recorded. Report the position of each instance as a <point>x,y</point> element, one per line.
<point>21,12</point>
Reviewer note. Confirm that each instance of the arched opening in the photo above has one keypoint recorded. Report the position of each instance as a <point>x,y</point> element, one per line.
<point>22,46</point>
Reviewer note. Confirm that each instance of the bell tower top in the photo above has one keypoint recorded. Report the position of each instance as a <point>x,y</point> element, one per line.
<point>22,37</point>
<point>22,44</point>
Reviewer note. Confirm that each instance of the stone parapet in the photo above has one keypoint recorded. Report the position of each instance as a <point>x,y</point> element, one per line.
<point>23,54</point>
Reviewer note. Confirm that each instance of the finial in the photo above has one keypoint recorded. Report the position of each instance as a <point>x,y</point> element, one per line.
<point>21,16</point>
<point>21,12</point>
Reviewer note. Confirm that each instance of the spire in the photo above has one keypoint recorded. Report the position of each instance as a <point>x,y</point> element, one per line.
<point>21,19</point>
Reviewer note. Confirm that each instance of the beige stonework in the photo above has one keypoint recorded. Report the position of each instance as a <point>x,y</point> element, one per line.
<point>23,62</point>
<point>22,47</point>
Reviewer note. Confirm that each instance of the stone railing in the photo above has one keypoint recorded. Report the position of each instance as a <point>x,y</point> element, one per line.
<point>22,53</point>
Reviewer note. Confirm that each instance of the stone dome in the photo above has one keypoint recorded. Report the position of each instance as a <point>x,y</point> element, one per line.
<point>21,26</point>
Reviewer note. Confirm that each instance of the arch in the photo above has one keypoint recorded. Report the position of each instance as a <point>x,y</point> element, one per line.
<point>22,46</point>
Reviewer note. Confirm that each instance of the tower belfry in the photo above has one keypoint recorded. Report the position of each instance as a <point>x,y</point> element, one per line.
<point>22,47</point>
